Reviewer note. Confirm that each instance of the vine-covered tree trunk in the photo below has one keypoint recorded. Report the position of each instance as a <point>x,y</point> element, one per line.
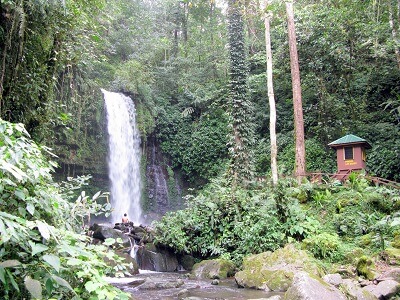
<point>271,97</point>
<point>394,29</point>
<point>300,163</point>
<point>240,106</point>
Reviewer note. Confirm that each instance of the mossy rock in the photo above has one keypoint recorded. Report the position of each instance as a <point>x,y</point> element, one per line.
<point>352,256</point>
<point>274,271</point>
<point>366,267</point>
<point>393,256</point>
<point>213,269</point>
<point>366,240</point>
<point>396,241</point>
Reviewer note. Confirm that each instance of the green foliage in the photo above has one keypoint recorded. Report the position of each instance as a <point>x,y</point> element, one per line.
<point>219,221</point>
<point>324,246</point>
<point>41,257</point>
<point>241,136</point>
<point>199,148</point>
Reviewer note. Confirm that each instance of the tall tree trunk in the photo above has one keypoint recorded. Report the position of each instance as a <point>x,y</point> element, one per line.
<point>394,29</point>
<point>242,138</point>
<point>271,97</point>
<point>300,163</point>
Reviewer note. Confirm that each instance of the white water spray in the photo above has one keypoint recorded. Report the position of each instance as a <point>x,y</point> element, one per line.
<point>123,157</point>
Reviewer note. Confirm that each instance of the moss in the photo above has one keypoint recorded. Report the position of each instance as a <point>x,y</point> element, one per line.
<point>393,255</point>
<point>275,270</point>
<point>365,267</point>
<point>366,240</point>
<point>396,241</point>
<point>214,269</point>
<point>280,280</point>
<point>353,255</point>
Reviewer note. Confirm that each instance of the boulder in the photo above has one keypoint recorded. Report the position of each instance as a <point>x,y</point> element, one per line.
<point>213,269</point>
<point>353,290</point>
<point>187,262</point>
<point>334,279</point>
<point>384,289</point>
<point>390,274</point>
<point>151,284</point>
<point>305,287</point>
<point>274,271</point>
<point>103,232</point>
<point>366,267</point>
<point>393,256</point>
<point>150,257</point>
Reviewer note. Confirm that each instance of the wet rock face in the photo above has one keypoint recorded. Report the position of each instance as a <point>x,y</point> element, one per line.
<point>137,241</point>
<point>150,257</point>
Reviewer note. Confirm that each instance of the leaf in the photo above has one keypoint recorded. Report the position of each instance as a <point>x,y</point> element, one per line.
<point>37,248</point>
<point>12,280</point>
<point>20,194</point>
<point>53,261</point>
<point>395,222</point>
<point>74,262</point>
<point>34,287</point>
<point>96,195</point>
<point>43,229</point>
<point>62,282</point>
<point>2,275</point>
<point>10,263</point>
<point>49,286</point>
<point>109,242</point>
<point>92,286</point>
<point>16,172</point>
<point>30,208</point>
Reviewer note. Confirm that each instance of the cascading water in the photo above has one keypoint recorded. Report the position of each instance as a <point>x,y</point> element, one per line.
<point>123,157</point>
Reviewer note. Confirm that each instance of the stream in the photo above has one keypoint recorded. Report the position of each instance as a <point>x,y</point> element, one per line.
<point>172,286</point>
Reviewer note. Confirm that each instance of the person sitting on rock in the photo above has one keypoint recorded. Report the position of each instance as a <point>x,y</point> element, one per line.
<point>125,219</point>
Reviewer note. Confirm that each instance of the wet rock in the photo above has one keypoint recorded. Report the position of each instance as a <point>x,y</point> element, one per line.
<point>187,262</point>
<point>103,232</point>
<point>150,257</point>
<point>213,269</point>
<point>305,287</point>
<point>334,279</point>
<point>353,290</point>
<point>151,284</point>
<point>276,297</point>
<point>182,293</point>
<point>384,289</point>
<point>274,271</point>
<point>390,274</point>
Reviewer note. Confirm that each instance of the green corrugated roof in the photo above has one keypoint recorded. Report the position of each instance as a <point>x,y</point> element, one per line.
<point>349,139</point>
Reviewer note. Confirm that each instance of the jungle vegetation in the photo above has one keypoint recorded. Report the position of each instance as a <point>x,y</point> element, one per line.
<point>197,73</point>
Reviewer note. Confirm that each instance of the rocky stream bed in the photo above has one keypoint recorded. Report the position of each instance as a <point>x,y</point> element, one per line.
<point>286,274</point>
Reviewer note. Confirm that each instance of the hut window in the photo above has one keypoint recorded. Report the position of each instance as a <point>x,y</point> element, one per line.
<point>348,153</point>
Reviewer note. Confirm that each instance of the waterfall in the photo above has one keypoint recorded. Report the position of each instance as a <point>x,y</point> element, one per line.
<point>123,157</point>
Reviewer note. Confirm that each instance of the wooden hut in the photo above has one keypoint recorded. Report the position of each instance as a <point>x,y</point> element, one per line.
<point>350,154</point>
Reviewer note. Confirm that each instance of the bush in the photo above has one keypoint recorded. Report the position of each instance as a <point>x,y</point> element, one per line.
<point>324,246</point>
<point>41,257</point>
<point>220,221</point>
